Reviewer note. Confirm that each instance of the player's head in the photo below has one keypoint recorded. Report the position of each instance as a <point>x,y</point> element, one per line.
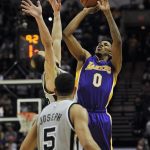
<point>37,63</point>
<point>64,84</point>
<point>104,48</point>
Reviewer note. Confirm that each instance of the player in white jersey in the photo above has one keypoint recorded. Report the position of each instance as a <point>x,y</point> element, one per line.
<point>59,121</point>
<point>52,58</point>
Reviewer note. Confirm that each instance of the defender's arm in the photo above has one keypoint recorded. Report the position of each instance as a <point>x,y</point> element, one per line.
<point>50,65</point>
<point>56,30</point>
<point>79,114</point>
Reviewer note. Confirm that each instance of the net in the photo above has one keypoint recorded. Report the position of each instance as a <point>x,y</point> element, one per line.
<point>26,120</point>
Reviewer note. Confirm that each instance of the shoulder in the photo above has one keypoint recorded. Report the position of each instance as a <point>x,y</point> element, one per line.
<point>84,56</point>
<point>77,111</point>
<point>76,107</point>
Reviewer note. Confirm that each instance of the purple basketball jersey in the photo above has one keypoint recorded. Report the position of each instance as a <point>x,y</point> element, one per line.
<point>95,84</point>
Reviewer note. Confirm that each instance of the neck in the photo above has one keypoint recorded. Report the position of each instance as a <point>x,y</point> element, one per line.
<point>102,57</point>
<point>61,98</point>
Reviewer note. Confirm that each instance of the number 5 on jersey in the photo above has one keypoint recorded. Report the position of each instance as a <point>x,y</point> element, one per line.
<point>97,80</point>
<point>49,138</point>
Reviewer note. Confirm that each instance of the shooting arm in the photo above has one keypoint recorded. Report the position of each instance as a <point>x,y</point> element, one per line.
<point>73,45</point>
<point>117,42</point>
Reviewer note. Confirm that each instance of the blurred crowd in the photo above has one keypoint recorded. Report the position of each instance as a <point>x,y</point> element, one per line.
<point>136,48</point>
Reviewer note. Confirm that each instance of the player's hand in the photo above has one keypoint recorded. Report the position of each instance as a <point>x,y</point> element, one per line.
<point>104,5</point>
<point>29,8</point>
<point>56,5</point>
<point>91,10</point>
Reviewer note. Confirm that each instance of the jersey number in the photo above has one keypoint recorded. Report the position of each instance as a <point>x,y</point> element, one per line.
<point>97,80</point>
<point>49,138</point>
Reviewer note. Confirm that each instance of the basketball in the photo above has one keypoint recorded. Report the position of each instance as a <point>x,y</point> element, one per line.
<point>88,3</point>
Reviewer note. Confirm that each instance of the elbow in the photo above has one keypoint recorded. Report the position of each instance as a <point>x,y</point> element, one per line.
<point>90,146</point>
<point>119,40</point>
<point>48,43</point>
<point>23,147</point>
<point>65,36</point>
<point>57,37</point>
<point>66,33</point>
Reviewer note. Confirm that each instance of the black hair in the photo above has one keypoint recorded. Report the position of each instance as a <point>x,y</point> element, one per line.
<point>64,84</point>
<point>39,63</point>
<point>106,38</point>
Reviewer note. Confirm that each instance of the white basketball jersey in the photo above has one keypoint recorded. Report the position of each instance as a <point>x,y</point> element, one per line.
<point>50,96</point>
<point>55,131</point>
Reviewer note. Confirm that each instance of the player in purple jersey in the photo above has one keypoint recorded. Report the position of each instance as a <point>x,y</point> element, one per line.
<point>97,75</point>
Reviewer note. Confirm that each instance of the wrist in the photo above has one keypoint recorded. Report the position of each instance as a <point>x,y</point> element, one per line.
<point>85,11</point>
<point>107,12</point>
<point>57,14</point>
<point>39,17</point>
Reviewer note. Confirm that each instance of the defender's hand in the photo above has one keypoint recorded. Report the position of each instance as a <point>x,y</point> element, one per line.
<point>104,5</point>
<point>29,8</point>
<point>56,5</point>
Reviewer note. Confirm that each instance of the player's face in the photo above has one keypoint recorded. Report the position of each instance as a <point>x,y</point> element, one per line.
<point>104,47</point>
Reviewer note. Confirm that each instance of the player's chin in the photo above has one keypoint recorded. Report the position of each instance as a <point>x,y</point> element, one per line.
<point>98,54</point>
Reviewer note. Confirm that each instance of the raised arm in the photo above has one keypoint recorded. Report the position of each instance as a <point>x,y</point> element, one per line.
<point>115,34</point>
<point>49,66</point>
<point>79,114</point>
<point>57,29</point>
<point>73,45</point>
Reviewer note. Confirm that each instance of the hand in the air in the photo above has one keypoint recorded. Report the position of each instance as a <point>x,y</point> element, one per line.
<point>56,5</point>
<point>103,5</point>
<point>29,8</point>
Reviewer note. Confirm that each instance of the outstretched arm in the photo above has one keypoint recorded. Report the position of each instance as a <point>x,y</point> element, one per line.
<point>79,114</point>
<point>73,45</point>
<point>115,34</point>
<point>49,66</point>
<point>57,29</point>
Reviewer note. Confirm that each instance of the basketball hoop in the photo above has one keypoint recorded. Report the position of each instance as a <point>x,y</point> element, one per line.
<point>26,120</point>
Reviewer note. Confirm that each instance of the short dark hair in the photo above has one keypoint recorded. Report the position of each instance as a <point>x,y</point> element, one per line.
<point>39,63</point>
<point>106,38</point>
<point>64,84</point>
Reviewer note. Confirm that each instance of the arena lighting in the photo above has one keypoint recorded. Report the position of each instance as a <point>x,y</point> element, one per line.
<point>50,19</point>
<point>143,27</point>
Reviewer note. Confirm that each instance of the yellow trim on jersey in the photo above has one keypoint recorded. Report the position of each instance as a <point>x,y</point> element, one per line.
<point>112,89</point>
<point>78,72</point>
<point>111,144</point>
<point>111,126</point>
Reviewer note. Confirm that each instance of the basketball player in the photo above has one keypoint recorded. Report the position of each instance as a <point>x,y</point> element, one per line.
<point>97,75</point>
<point>52,45</point>
<point>59,121</point>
